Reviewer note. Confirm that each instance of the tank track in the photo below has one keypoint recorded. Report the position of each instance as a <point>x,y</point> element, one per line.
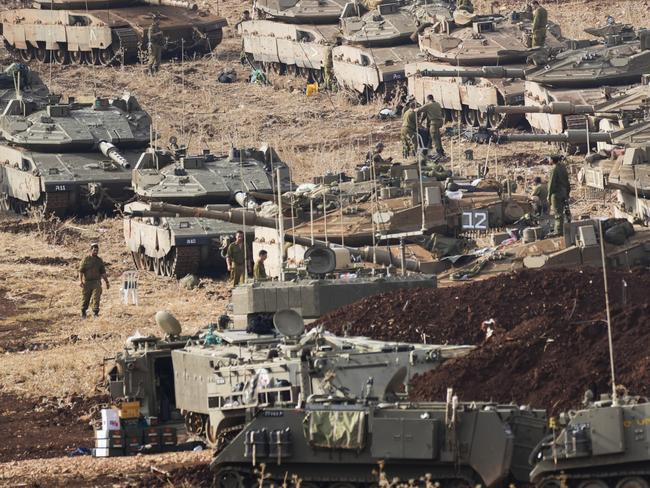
<point>611,477</point>
<point>178,262</point>
<point>128,42</point>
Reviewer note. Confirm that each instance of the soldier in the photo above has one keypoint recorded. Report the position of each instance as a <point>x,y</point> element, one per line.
<point>409,131</point>
<point>432,111</point>
<point>375,157</point>
<point>156,42</point>
<point>540,19</point>
<point>259,271</point>
<point>91,272</point>
<point>558,192</point>
<point>236,259</point>
<point>539,197</point>
<point>328,69</point>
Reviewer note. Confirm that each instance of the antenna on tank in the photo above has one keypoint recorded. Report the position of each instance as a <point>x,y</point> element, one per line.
<point>609,317</point>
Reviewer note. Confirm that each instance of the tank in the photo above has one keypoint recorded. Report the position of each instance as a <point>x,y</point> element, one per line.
<point>388,24</point>
<point>488,40</point>
<point>106,31</point>
<point>72,157</point>
<point>356,443</point>
<point>597,445</point>
<point>300,11</point>
<point>170,245</point>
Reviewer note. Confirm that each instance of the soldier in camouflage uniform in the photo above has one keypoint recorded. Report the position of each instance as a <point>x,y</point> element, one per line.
<point>236,259</point>
<point>540,19</point>
<point>558,193</point>
<point>409,131</point>
<point>328,71</point>
<point>432,112</point>
<point>91,272</point>
<point>156,42</point>
<point>259,270</point>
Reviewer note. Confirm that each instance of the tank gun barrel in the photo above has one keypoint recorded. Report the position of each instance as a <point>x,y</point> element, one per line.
<point>485,72</point>
<point>558,108</point>
<point>173,3</point>
<point>111,152</point>
<point>368,254</point>
<point>575,136</point>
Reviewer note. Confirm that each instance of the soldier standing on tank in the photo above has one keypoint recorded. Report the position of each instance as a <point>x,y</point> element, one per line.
<point>156,42</point>
<point>236,259</point>
<point>558,192</point>
<point>432,112</point>
<point>376,158</point>
<point>259,270</point>
<point>540,19</point>
<point>409,131</point>
<point>91,272</point>
<point>539,197</point>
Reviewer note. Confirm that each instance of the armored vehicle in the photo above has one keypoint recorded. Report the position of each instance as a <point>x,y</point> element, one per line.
<point>221,386</point>
<point>601,445</point>
<point>298,49</point>
<point>103,31</point>
<point>176,246</point>
<point>70,157</point>
<point>489,40</point>
<point>359,443</point>
<point>300,11</point>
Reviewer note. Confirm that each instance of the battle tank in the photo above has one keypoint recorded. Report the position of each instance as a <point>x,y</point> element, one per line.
<point>462,92</point>
<point>360,442</point>
<point>103,31</point>
<point>600,445</point>
<point>70,157</point>
<point>176,246</point>
<point>300,11</point>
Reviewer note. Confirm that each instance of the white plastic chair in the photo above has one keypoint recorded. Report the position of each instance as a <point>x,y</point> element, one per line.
<point>129,287</point>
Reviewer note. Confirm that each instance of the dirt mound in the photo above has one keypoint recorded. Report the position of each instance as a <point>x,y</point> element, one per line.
<point>550,345</point>
<point>52,229</point>
<point>454,315</point>
<point>549,363</point>
<point>45,427</point>
<point>46,260</point>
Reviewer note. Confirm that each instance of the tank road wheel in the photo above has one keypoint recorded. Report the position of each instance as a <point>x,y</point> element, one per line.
<point>60,56</point>
<point>229,478</point>
<point>26,55</point>
<point>136,259</point>
<point>293,70</point>
<point>105,57</point>
<point>278,68</point>
<point>77,57</point>
<point>194,423</point>
<point>5,202</point>
<point>632,482</point>
<point>156,265</point>
<point>142,259</point>
<point>318,76</point>
<point>496,120</point>
<point>43,55</point>
<point>456,115</point>
<point>593,483</point>
<point>211,435</point>
<point>471,117</point>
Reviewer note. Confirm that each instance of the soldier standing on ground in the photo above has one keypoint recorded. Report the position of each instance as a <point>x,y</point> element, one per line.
<point>328,70</point>
<point>236,259</point>
<point>432,111</point>
<point>156,41</point>
<point>259,271</point>
<point>540,19</point>
<point>409,131</point>
<point>91,272</point>
<point>558,192</point>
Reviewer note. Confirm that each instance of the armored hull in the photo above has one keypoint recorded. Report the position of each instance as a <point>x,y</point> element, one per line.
<point>104,32</point>
<point>70,158</point>
<point>301,11</point>
<point>344,444</point>
<point>176,246</point>
<point>601,445</point>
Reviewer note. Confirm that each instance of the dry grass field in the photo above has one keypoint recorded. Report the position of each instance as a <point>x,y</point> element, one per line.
<point>46,349</point>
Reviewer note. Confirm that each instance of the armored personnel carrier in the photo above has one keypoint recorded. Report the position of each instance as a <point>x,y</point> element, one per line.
<point>600,445</point>
<point>70,157</point>
<point>176,246</point>
<point>103,31</point>
<point>357,443</point>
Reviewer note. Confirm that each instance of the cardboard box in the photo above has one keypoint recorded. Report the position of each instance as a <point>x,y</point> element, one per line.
<point>110,419</point>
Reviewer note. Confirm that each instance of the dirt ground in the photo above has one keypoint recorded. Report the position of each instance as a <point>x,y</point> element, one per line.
<point>51,360</point>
